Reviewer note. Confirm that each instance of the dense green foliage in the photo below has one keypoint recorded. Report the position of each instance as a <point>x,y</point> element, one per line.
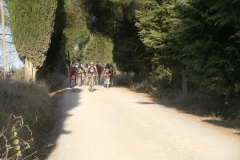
<point>189,45</point>
<point>99,48</point>
<point>195,39</point>
<point>208,52</point>
<point>77,30</point>
<point>32,26</point>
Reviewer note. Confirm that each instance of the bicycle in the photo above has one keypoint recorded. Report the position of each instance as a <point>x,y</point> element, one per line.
<point>91,81</point>
<point>97,80</point>
<point>73,82</point>
<point>111,80</point>
<point>79,80</point>
<point>107,81</point>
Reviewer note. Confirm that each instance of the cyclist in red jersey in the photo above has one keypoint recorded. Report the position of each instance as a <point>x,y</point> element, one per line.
<point>72,71</point>
<point>106,72</point>
<point>80,72</point>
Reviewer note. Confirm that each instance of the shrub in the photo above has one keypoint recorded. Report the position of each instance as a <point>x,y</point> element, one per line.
<point>54,79</point>
<point>32,102</point>
<point>13,145</point>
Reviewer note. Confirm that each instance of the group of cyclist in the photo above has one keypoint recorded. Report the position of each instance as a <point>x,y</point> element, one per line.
<point>90,72</point>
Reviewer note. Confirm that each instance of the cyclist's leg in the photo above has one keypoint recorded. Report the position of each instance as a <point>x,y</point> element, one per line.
<point>89,81</point>
<point>75,79</point>
<point>70,81</point>
<point>84,78</point>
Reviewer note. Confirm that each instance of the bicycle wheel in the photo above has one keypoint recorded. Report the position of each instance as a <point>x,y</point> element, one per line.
<point>97,80</point>
<point>73,84</point>
<point>78,82</point>
<point>112,82</point>
<point>107,82</point>
<point>92,85</point>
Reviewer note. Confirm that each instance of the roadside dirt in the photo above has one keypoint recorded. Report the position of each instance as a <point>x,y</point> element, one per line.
<point>117,123</point>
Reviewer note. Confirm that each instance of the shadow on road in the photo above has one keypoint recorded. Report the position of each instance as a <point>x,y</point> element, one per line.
<point>238,133</point>
<point>120,81</point>
<point>220,123</point>
<point>194,111</point>
<point>140,102</point>
<point>58,95</point>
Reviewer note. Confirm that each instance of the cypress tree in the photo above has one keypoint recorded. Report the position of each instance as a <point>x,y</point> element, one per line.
<point>31,25</point>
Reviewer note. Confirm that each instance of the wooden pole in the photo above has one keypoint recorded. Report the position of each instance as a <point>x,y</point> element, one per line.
<point>4,40</point>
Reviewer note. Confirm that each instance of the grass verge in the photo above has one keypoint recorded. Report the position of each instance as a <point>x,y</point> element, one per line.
<point>32,102</point>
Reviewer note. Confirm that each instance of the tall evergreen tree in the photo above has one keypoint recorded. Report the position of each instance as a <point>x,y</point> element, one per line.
<point>98,49</point>
<point>76,32</point>
<point>210,57</point>
<point>31,25</point>
<point>56,58</point>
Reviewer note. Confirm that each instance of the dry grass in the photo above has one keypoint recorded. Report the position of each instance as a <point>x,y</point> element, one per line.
<point>32,102</point>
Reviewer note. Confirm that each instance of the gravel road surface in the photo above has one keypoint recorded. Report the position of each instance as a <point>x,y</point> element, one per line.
<point>118,124</point>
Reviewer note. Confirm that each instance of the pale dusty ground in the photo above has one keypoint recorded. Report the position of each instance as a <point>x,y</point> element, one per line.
<point>117,124</point>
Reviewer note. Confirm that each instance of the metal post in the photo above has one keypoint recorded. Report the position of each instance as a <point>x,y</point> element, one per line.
<point>4,40</point>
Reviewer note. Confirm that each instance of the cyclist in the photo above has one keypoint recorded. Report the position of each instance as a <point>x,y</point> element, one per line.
<point>106,72</point>
<point>85,74</point>
<point>99,69</point>
<point>72,71</point>
<point>113,71</point>
<point>92,71</point>
<point>80,72</point>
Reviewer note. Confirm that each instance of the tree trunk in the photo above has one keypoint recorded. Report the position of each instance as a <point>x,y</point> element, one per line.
<point>137,75</point>
<point>34,71</point>
<point>30,71</point>
<point>127,74</point>
<point>153,71</point>
<point>184,83</point>
<point>176,77</point>
<point>26,69</point>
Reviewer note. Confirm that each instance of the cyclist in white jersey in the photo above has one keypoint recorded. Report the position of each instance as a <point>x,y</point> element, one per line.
<point>92,71</point>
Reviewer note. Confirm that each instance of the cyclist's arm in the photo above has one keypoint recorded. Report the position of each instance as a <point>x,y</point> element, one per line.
<point>86,71</point>
<point>96,71</point>
<point>103,72</point>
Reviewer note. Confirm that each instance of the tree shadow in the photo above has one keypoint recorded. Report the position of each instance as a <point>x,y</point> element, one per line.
<point>219,123</point>
<point>189,110</point>
<point>144,103</point>
<point>61,93</point>
<point>238,133</point>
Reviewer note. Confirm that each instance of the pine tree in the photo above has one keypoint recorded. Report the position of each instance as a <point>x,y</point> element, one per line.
<point>76,32</point>
<point>209,55</point>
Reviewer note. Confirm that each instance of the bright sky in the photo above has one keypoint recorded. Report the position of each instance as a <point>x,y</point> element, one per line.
<point>12,55</point>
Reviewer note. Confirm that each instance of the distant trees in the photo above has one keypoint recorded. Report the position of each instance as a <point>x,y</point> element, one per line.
<point>31,25</point>
<point>76,32</point>
<point>197,40</point>
<point>193,37</point>
<point>188,44</point>
<point>99,48</point>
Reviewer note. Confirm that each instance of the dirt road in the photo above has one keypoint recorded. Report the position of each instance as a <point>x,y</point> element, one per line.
<point>117,124</point>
